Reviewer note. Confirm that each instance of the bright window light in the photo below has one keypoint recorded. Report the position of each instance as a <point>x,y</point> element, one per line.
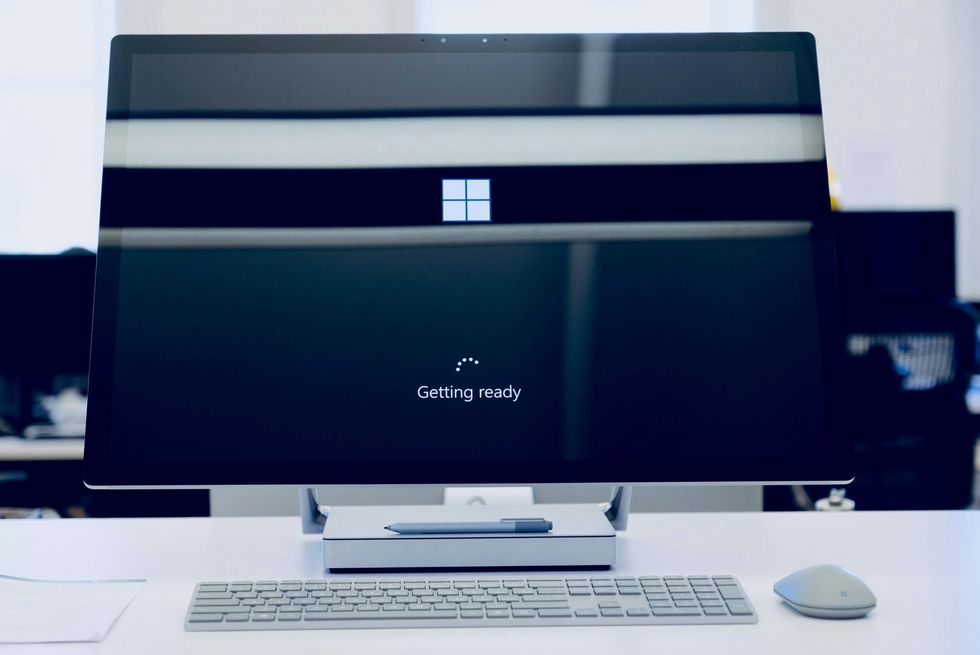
<point>516,16</point>
<point>53,62</point>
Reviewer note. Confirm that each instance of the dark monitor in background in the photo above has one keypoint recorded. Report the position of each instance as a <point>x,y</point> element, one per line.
<point>888,256</point>
<point>45,332</point>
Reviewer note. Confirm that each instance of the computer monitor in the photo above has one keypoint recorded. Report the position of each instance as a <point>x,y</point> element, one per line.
<point>46,331</point>
<point>442,259</point>
<point>894,256</point>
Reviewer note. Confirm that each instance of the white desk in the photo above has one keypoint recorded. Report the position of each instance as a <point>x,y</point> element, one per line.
<point>924,568</point>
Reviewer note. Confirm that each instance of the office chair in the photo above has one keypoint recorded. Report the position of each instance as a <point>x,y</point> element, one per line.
<point>910,364</point>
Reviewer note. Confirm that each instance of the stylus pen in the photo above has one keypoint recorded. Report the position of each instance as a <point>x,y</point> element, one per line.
<point>503,525</point>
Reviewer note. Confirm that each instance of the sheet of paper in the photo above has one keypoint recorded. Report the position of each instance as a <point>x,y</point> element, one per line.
<point>37,611</point>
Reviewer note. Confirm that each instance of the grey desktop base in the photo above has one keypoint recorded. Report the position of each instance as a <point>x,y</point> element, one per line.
<point>354,538</point>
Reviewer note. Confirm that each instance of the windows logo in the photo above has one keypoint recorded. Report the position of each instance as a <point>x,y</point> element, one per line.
<point>466,201</point>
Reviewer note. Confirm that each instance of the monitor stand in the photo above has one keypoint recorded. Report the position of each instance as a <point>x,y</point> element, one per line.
<point>354,538</point>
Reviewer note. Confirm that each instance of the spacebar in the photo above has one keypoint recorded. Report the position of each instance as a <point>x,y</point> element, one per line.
<point>408,614</point>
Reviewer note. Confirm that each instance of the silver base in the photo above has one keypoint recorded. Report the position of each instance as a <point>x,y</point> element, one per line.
<point>354,538</point>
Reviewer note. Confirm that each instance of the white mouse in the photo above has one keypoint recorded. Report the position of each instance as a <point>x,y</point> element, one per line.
<point>827,592</point>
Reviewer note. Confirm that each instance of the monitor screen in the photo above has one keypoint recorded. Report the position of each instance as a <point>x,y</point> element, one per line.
<point>440,260</point>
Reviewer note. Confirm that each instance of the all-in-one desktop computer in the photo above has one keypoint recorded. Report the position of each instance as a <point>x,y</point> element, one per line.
<point>465,260</point>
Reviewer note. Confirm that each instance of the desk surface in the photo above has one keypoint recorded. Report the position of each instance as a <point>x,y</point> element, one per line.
<point>15,449</point>
<point>923,566</point>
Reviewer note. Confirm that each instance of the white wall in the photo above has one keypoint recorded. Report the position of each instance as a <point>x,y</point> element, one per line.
<point>899,84</point>
<point>264,16</point>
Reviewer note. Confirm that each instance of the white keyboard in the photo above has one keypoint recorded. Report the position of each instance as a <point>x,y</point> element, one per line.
<point>462,601</point>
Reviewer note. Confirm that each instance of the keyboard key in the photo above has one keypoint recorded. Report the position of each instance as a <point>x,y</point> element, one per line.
<point>524,614</point>
<point>715,611</point>
<point>637,611</point>
<point>554,613</point>
<point>236,618</point>
<point>202,617</point>
<point>367,614</point>
<point>540,604</point>
<point>686,603</point>
<point>611,612</point>
<point>471,614</point>
<point>661,603</point>
<point>315,616</point>
<point>676,611</point>
<point>224,595</point>
<point>730,593</point>
<point>712,602</point>
<point>498,614</point>
<point>223,609</point>
<point>545,583</point>
<point>586,612</point>
<point>263,616</point>
<point>739,608</point>
<point>204,602</point>
<point>289,616</point>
